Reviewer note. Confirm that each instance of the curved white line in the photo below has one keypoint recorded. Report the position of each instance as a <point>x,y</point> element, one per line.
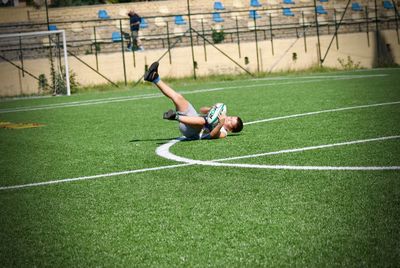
<point>164,152</point>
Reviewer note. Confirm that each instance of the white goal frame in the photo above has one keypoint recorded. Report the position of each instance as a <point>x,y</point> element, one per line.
<point>47,33</point>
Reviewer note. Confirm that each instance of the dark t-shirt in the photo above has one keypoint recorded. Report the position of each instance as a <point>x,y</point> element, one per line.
<point>133,19</point>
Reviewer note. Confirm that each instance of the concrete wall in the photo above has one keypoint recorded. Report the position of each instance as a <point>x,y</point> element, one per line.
<point>354,45</point>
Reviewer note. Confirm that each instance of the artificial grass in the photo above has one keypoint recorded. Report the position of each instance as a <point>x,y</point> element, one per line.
<point>198,215</point>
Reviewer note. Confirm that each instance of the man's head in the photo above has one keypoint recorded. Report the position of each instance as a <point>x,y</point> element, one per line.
<point>131,13</point>
<point>233,123</point>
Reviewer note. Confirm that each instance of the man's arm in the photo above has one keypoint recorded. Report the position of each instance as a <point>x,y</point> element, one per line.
<point>216,132</point>
<point>205,110</point>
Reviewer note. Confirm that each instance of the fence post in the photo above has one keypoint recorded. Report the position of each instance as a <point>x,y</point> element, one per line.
<point>396,18</point>
<point>304,32</point>
<point>204,41</point>
<point>95,48</point>
<point>270,31</point>
<point>376,31</point>
<point>316,24</point>
<point>336,36</point>
<point>122,50</point>
<point>21,57</point>
<point>367,22</point>
<point>191,40</point>
<point>255,32</point>
<point>169,44</point>
<point>238,37</point>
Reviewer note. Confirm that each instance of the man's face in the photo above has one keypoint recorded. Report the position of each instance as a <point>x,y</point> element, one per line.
<point>230,122</point>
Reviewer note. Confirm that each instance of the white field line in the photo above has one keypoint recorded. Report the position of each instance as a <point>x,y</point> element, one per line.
<point>163,151</point>
<point>313,79</point>
<point>179,159</point>
<point>92,177</point>
<point>323,111</point>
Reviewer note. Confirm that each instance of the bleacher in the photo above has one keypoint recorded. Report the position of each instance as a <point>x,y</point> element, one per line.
<point>83,23</point>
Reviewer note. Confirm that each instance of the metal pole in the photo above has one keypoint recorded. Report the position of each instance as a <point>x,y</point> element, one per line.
<point>272,36</point>
<point>95,48</point>
<point>316,24</point>
<point>376,31</point>
<point>191,40</point>
<point>304,32</point>
<point>255,33</point>
<point>169,45</point>
<point>336,27</point>
<point>47,15</point>
<point>204,41</point>
<point>122,50</point>
<point>238,37</point>
<point>367,22</point>
<point>397,24</point>
<point>21,57</point>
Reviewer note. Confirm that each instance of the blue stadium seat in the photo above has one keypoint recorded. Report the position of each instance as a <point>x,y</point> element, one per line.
<point>53,28</point>
<point>143,24</point>
<point>388,4</point>
<point>179,20</point>
<point>321,10</point>
<point>323,1</point>
<point>287,12</point>
<point>254,15</point>
<point>217,17</point>
<point>102,14</point>
<point>218,6</point>
<point>288,2</point>
<point>255,3</point>
<point>356,7</point>
<point>116,37</point>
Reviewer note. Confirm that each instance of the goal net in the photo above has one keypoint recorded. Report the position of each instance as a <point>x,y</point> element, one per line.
<point>34,63</point>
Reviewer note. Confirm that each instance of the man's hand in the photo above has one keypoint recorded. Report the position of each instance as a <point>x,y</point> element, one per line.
<point>221,119</point>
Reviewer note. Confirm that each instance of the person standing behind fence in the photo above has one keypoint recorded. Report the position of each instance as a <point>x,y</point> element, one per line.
<point>134,21</point>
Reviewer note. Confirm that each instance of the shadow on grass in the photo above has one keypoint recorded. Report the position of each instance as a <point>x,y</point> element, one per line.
<point>165,140</point>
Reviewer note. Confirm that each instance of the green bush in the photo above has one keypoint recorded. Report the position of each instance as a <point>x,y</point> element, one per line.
<point>218,36</point>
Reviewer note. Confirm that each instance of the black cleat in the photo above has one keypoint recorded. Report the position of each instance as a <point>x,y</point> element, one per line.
<point>152,72</point>
<point>170,115</point>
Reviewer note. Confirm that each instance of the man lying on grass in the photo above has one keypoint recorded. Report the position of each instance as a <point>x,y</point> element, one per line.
<point>191,124</point>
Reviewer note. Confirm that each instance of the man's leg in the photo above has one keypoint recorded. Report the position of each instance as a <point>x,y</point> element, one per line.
<point>181,104</point>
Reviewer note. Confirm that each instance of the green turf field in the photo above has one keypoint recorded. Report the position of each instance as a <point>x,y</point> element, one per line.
<point>313,180</point>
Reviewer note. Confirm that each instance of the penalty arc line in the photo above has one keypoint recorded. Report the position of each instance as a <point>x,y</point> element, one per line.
<point>164,152</point>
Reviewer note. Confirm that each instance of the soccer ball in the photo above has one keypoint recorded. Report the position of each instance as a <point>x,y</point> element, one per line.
<point>217,110</point>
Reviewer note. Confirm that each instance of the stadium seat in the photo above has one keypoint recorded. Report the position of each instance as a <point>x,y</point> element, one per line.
<point>143,24</point>
<point>116,37</point>
<point>217,17</point>
<point>254,15</point>
<point>53,28</point>
<point>179,20</point>
<point>287,2</point>
<point>321,10</point>
<point>388,4</point>
<point>323,1</point>
<point>255,3</point>
<point>356,7</point>
<point>218,6</point>
<point>102,14</point>
<point>287,12</point>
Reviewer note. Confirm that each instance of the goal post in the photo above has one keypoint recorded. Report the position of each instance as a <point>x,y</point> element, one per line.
<point>17,47</point>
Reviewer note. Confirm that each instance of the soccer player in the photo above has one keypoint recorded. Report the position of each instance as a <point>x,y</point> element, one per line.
<point>191,124</point>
